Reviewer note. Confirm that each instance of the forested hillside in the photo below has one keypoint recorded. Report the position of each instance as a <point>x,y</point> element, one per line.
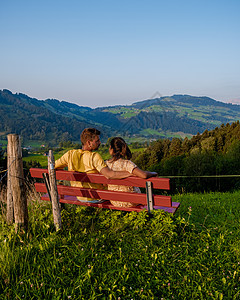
<point>213,153</point>
<point>38,120</point>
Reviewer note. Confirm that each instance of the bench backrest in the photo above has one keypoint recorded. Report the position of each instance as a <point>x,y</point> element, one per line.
<point>70,191</point>
<point>158,183</point>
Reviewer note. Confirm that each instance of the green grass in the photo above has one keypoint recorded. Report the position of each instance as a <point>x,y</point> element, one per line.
<point>104,254</point>
<point>151,132</point>
<point>33,143</point>
<point>168,134</point>
<point>3,143</point>
<point>43,160</point>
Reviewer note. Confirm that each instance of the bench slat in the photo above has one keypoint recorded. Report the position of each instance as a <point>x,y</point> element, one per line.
<point>159,200</point>
<point>107,204</point>
<point>158,183</point>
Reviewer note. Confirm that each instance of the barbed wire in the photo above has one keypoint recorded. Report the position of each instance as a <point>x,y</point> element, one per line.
<point>2,177</point>
<point>199,176</point>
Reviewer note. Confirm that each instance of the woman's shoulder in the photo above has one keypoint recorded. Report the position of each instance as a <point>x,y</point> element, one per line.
<point>127,165</point>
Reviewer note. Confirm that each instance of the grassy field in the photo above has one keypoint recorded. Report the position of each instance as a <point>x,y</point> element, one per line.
<point>103,254</point>
<point>43,160</point>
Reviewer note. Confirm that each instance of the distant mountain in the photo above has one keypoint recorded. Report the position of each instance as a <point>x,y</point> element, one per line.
<point>178,115</point>
<point>52,120</point>
<point>49,121</point>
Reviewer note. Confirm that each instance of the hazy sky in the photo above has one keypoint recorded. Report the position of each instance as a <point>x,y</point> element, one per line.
<point>98,53</point>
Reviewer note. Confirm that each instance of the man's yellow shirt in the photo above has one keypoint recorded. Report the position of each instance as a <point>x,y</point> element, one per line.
<point>82,161</point>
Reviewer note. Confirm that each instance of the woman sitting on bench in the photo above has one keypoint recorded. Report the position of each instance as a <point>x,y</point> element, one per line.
<point>120,161</point>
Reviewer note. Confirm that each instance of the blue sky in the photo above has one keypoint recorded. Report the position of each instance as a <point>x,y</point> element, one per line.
<point>98,53</point>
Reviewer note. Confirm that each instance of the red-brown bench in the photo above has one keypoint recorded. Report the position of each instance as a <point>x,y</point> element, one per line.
<point>68,194</point>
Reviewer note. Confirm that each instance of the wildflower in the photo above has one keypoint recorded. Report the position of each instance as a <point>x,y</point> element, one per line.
<point>130,288</point>
<point>82,249</point>
<point>59,254</point>
<point>89,266</point>
<point>103,246</point>
<point>21,282</point>
<point>136,265</point>
<point>31,285</point>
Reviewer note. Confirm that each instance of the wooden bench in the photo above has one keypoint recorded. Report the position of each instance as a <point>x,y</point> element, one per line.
<point>68,194</point>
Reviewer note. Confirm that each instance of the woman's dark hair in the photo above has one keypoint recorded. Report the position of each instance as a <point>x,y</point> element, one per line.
<point>120,148</point>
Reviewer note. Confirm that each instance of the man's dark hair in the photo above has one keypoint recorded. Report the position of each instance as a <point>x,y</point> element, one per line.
<point>89,134</point>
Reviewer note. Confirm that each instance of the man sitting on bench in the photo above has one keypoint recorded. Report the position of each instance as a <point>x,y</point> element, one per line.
<point>85,160</point>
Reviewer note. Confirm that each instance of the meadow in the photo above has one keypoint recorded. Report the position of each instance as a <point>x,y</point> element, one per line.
<point>104,254</point>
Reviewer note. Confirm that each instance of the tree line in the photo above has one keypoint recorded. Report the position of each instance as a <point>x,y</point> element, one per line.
<point>213,153</point>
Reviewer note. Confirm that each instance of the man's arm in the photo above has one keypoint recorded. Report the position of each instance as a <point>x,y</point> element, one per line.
<point>110,174</point>
<point>62,162</point>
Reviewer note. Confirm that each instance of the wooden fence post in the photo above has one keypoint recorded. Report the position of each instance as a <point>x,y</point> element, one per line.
<point>16,199</point>
<point>10,210</point>
<point>54,192</point>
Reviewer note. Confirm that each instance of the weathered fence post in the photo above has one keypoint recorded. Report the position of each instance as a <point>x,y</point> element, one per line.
<point>10,210</point>
<point>54,192</point>
<point>16,195</point>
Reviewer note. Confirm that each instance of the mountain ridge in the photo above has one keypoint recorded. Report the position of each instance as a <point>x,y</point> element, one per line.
<point>54,120</point>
